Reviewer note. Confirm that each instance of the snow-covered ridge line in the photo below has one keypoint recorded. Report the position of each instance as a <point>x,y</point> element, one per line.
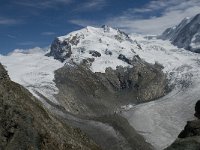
<point>186,34</point>
<point>101,47</point>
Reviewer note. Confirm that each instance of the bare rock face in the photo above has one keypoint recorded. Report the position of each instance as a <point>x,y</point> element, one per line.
<point>192,143</point>
<point>60,50</point>
<point>25,124</point>
<point>191,129</point>
<point>3,74</point>
<point>95,53</point>
<point>197,110</point>
<point>86,93</point>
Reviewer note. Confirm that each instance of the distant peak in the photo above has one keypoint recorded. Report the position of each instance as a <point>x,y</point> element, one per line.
<point>105,26</point>
<point>197,17</point>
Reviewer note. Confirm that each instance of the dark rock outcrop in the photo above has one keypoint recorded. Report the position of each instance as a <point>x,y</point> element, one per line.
<point>107,52</point>
<point>26,125</point>
<point>60,50</point>
<point>192,143</point>
<point>197,110</point>
<point>123,58</point>
<point>191,129</point>
<point>95,53</point>
<point>189,138</point>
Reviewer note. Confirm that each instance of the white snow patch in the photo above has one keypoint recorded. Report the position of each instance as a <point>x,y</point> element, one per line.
<point>195,44</point>
<point>33,70</point>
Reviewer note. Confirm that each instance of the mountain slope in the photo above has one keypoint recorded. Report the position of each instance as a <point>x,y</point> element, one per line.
<point>162,120</point>
<point>186,34</point>
<point>26,125</point>
<point>103,58</point>
<point>103,79</point>
<point>102,72</point>
<point>81,90</point>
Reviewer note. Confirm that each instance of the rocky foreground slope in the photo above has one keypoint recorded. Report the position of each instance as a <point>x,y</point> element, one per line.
<point>25,124</point>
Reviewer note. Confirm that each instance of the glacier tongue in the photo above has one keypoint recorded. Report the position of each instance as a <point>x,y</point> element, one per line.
<point>33,70</point>
<point>161,121</point>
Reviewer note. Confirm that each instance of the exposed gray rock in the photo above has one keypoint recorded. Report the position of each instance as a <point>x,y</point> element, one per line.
<point>191,129</point>
<point>107,52</point>
<point>123,58</point>
<point>3,73</point>
<point>86,93</point>
<point>60,50</point>
<point>95,53</point>
<point>197,109</point>
<point>192,143</point>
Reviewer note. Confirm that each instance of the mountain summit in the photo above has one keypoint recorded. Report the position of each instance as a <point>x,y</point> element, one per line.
<point>186,34</point>
<point>100,48</point>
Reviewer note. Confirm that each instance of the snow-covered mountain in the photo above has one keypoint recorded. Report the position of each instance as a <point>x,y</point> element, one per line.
<point>95,89</point>
<point>99,47</point>
<point>159,121</point>
<point>186,34</point>
<point>96,48</point>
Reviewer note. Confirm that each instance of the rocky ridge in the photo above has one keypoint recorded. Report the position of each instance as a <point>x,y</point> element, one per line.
<point>86,93</point>
<point>185,35</point>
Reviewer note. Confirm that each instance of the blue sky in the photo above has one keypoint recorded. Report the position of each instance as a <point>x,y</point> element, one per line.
<point>29,23</point>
